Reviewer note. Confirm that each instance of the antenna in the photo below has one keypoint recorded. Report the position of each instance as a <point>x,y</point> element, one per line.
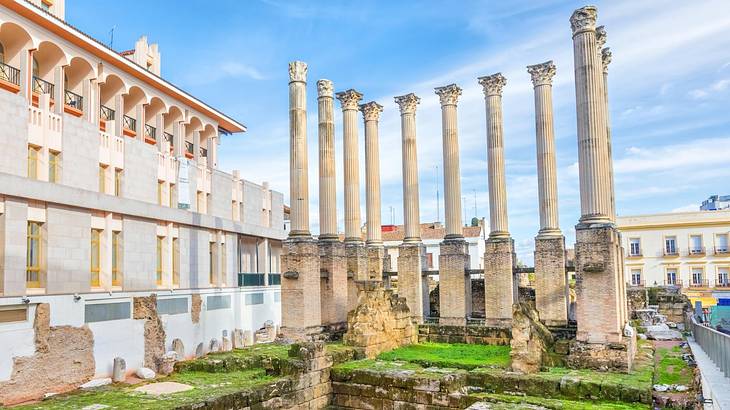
<point>475,203</point>
<point>111,37</point>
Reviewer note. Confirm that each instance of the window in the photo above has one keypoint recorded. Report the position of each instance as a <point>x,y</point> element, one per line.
<point>670,245</point>
<point>722,277</point>
<point>116,262</point>
<point>695,244</point>
<point>721,243</point>
<point>33,162</point>
<point>636,277</point>
<point>173,196</point>
<point>53,164</point>
<point>158,277</point>
<point>102,179</point>
<point>117,182</point>
<point>223,262</point>
<point>696,276</point>
<point>199,202</point>
<point>218,302</point>
<point>671,276</point>
<point>213,263</point>
<point>160,192</point>
<point>175,262</point>
<point>33,258</point>
<point>101,312</point>
<point>635,247</point>
<point>13,314</point>
<point>95,257</point>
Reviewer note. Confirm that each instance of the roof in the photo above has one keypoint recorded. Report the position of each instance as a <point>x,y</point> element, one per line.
<point>70,33</point>
<point>428,231</point>
<point>674,220</point>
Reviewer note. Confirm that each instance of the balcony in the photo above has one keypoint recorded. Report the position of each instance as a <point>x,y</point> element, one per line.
<point>251,279</point>
<point>635,254</point>
<point>722,250</point>
<point>722,283</point>
<point>671,253</point>
<point>189,150</point>
<point>41,86</point>
<point>636,283</point>
<point>111,150</point>
<point>129,126</point>
<point>73,103</point>
<point>699,284</point>
<point>696,251</point>
<point>150,134</point>
<point>9,78</point>
<point>675,282</point>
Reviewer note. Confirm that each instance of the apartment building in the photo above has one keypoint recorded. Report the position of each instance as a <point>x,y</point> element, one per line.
<point>687,249</point>
<point>110,190</point>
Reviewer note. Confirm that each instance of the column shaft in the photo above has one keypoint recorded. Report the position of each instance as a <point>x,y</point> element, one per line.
<point>299,188</point>
<point>411,213</point>
<point>327,175</point>
<point>349,100</point>
<point>371,113</point>
<point>452,179</point>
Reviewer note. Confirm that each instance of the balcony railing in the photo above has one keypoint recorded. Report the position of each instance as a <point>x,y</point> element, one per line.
<point>251,279</point>
<point>636,283</point>
<point>722,283</point>
<point>41,86</point>
<point>274,278</point>
<point>675,282</point>
<point>696,251</point>
<point>189,148</point>
<point>73,100</point>
<point>698,284</point>
<point>130,123</point>
<point>168,137</point>
<point>106,113</point>
<point>203,152</point>
<point>150,132</point>
<point>671,252</point>
<point>721,250</point>
<point>9,74</point>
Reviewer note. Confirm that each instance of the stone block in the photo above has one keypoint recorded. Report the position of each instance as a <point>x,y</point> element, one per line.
<point>333,285</point>
<point>454,282</point>
<point>410,281</point>
<point>551,287</point>
<point>300,286</point>
<point>499,287</point>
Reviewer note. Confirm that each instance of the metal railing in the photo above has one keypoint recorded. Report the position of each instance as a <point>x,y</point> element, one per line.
<point>150,132</point>
<point>721,250</point>
<point>697,251</point>
<point>203,152</point>
<point>251,279</point>
<point>42,86</point>
<point>130,123</point>
<point>698,284</point>
<point>671,252</point>
<point>715,344</point>
<point>9,74</point>
<point>722,283</point>
<point>189,147</point>
<point>73,100</point>
<point>168,137</point>
<point>637,283</point>
<point>106,113</point>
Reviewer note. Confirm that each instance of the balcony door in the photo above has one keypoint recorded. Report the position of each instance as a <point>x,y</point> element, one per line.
<point>722,276</point>
<point>671,276</point>
<point>697,276</point>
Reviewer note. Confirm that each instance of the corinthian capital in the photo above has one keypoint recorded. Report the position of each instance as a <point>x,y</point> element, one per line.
<point>324,88</point>
<point>298,71</point>
<point>542,74</point>
<point>606,58</point>
<point>584,19</point>
<point>407,103</point>
<point>349,99</point>
<point>449,94</point>
<point>493,84</point>
<point>601,37</point>
<point>371,111</point>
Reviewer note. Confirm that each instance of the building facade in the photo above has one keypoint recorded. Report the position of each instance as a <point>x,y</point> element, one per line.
<point>716,203</point>
<point>110,190</point>
<point>687,249</point>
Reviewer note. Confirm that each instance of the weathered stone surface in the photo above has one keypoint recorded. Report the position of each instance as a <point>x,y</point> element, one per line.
<point>196,303</point>
<point>266,334</point>
<point>455,300</point>
<point>92,384</point>
<point>145,373</point>
<point>238,339</point>
<point>166,364</point>
<point>145,308</point>
<point>551,287</point>
<point>64,359</point>
<point>199,352</point>
<point>226,345</point>
<point>410,280</point>
<point>333,285</point>
<point>300,293</point>
<point>158,389</point>
<point>381,321</point>
<point>531,340</point>
<point>215,345</point>
<point>499,287</point>
<point>119,370</point>
<point>248,339</point>
<point>179,348</point>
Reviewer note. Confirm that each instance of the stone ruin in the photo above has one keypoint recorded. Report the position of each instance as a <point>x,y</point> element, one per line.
<point>531,340</point>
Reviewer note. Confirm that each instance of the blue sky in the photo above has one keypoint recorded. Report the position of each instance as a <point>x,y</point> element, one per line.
<point>669,89</point>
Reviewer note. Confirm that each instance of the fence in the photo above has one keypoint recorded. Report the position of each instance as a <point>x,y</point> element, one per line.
<point>715,344</point>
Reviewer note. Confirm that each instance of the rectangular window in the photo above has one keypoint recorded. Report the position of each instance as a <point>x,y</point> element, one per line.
<point>117,182</point>
<point>635,247</point>
<point>160,192</point>
<point>636,277</point>
<point>721,243</point>
<point>33,162</point>
<point>116,262</point>
<point>175,262</point>
<point>223,263</point>
<point>723,274</point>
<point>158,276</point>
<point>211,263</point>
<point>671,276</point>
<point>695,244</point>
<point>696,276</point>
<point>254,299</point>
<point>13,314</point>
<point>102,179</point>
<point>101,312</point>
<point>670,245</point>
<point>199,203</point>
<point>218,302</point>
<point>95,257</point>
<point>173,196</point>
<point>53,166</point>
<point>33,258</point>
<point>172,306</point>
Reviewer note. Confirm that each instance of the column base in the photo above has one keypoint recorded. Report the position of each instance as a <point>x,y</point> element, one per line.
<point>603,356</point>
<point>300,285</point>
<point>299,334</point>
<point>454,282</point>
<point>500,291</point>
<point>376,253</point>
<point>551,282</point>
<point>357,267</point>
<point>410,279</point>
<point>333,284</point>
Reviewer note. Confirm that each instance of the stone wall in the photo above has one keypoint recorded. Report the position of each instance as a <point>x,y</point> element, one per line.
<point>637,298</point>
<point>672,304</point>
<point>469,334</point>
<point>531,340</point>
<point>381,321</point>
<point>145,308</point>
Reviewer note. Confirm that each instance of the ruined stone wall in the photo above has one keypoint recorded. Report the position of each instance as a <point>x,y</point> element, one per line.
<point>145,308</point>
<point>673,305</point>
<point>637,298</point>
<point>469,334</point>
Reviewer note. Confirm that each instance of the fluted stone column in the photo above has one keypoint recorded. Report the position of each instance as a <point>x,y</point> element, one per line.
<point>551,287</point>
<point>410,278</point>
<point>500,290</point>
<point>333,265</point>
<point>301,316</point>
<point>371,114</point>
<point>354,247</point>
<point>454,281</point>
<point>599,292</point>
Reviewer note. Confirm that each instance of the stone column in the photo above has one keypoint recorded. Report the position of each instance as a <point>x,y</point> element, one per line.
<point>301,315</point>
<point>500,291</point>
<point>410,278</point>
<point>600,341</point>
<point>551,287</point>
<point>454,281</point>
<point>371,114</point>
<point>354,248</point>
<point>333,265</point>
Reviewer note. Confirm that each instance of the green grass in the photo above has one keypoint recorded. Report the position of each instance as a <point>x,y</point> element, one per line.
<point>670,368</point>
<point>460,356</point>
<point>207,386</point>
<point>557,403</point>
<point>388,366</point>
<point>260,350</point>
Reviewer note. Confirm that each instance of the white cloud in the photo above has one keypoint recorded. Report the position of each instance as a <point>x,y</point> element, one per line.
<point>237,69</point>
<point>687,208</point>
